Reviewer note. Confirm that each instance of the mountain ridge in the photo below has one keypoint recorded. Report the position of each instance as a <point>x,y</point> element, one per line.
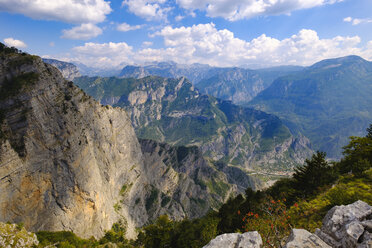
<point>327,102</point>
<point>158,106</point>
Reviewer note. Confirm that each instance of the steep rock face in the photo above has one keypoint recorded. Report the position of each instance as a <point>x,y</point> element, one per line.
<point>68,70</point>
<point>159,107</point>
<point>63,157</point>
<point>184,184</point>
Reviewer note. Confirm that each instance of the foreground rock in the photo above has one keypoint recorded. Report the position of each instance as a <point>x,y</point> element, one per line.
<point>236,240</point>
<point>12,235</point>
<point>302,238</point>
<point>347,226</point>
<point>343,227</point>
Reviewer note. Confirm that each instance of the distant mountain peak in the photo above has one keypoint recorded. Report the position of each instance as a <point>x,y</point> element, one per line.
<point>338,62</point>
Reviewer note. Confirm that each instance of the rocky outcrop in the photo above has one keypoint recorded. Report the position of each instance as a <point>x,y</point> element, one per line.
<point>64,158</point>
<point>347,226</point>
<point>236,240</point>
<point>12,235</point>
<point>343,227</point>
<point>68,70</point>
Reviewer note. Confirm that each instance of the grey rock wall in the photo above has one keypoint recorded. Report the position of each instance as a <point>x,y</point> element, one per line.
<point>63,157</point>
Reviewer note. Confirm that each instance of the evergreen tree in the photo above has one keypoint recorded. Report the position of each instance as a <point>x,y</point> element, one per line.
<point>315,173</point>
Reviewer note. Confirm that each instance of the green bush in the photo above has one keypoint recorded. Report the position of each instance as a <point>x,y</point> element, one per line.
<point>64,239</point>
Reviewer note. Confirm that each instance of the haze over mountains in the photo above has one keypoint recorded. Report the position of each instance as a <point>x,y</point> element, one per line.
<point>238,85</point>
<point>327,102</point>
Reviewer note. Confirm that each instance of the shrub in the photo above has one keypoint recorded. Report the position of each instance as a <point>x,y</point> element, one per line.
<point>272,222</point>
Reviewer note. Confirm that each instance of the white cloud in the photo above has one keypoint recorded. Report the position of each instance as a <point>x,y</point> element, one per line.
<point>356,21</point>
<point>124,27</point>
<point>71,11</point>
<point>241,9</point>
<point>147,44</point>
<point>102,55</point>
<point>14,43</point>
<point>148,9</point>
<point>83,32</point>
<point>179,18</point>
<point>204,43</point>
<point>348,19</point>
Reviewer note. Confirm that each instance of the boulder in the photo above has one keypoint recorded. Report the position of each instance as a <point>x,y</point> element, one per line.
<point>236,240</point>
<point>301,238</point>
<point>343,226</point>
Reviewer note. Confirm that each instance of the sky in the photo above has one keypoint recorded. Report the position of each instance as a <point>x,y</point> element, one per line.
<point>251,33</point>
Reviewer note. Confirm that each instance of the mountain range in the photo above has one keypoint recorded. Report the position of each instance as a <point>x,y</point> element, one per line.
<point>318,105</point>
<point>238,85</point>
<point>327,102</point>
<point>174,111</point>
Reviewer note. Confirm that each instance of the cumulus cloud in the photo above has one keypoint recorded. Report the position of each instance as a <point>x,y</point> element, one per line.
<point>14,43</point>
<point>102,55</point>
<point>241,9</point>
<point>356,21</point>
<point>85,31</point>
<point>148,9</point>
<point>71,11</point>
<point>204,43</point>
<point>125,27</point>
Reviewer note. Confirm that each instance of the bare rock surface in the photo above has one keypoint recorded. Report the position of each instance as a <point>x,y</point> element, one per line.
<point>301,238</point>
<point>345,225</point>
<point>63,157</point>
<point>236,240</point>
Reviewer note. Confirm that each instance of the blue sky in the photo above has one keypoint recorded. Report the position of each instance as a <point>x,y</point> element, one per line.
<point>262,33</point>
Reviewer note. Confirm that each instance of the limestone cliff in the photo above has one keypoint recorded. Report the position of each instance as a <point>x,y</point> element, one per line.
<point>64,158</point>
